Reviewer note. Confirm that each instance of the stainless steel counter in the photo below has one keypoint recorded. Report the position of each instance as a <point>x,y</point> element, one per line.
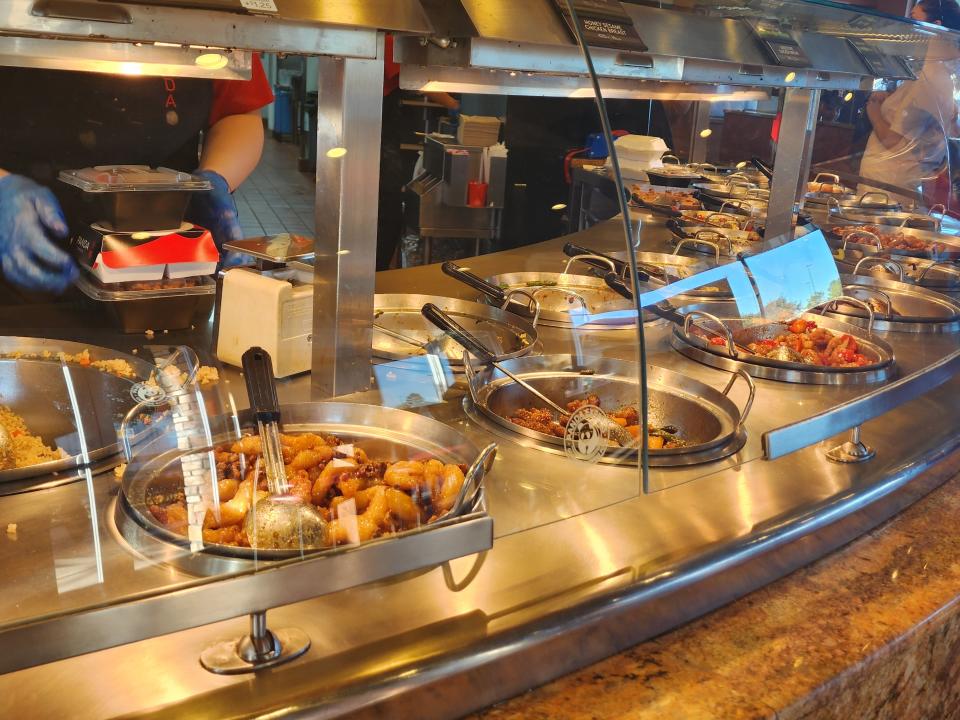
<point>578,570</point>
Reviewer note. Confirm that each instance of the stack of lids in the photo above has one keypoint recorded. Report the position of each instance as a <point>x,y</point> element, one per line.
<point>478,130</point>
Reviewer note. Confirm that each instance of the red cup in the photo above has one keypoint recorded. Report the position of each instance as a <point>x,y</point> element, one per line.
<point>476,194</point>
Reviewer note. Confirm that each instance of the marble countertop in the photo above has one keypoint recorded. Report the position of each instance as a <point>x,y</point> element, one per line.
<point>871,630</point>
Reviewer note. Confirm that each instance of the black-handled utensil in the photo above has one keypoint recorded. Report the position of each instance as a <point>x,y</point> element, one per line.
<point>616,283</point>
<point>762,167</point>
<point>621,267</point>
<point>456,331</point>
<point>496,294</point>
<point>281,520</point>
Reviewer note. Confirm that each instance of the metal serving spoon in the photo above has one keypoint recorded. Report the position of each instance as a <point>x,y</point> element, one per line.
<point>470,343</point>
<point>282,520</point>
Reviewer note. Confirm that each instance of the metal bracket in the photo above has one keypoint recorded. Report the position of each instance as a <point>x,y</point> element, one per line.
<point>853,450</point>
<point>259,650</point>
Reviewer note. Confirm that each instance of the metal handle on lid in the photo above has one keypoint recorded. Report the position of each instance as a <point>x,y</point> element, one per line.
<point>874,193</point>
<point>833,202</point>
<point>751,390</point>
<point>728,336</point>
<point>889,264</point>
<point>585,258</point>
<point>600,261</point>
<point>533,305</point>
<point>941,206</point>
<point>852,301</point>
<point>664,158</point>
<point>834,179</point>
<point>928,268</point>
<point>876,292</point>
<point>693,242</point>
<point>443,321</point>
<point>864,234</point>
<point>493,292</point>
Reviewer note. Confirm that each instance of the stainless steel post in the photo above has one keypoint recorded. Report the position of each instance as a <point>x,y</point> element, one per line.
<point>701,122</point>
<point>348,179</point>
<point>797,122</point>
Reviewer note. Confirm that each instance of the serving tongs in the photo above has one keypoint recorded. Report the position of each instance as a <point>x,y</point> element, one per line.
<point>684,321</point>
<point>601,261</point>
<point>472,345</point>
<point>498,296</point>
<point>281,520</point>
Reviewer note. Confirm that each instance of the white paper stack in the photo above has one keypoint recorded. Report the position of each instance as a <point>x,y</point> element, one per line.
<point>478,130</point>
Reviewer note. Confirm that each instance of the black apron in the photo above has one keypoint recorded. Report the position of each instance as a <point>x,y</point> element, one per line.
<point>53,120</point>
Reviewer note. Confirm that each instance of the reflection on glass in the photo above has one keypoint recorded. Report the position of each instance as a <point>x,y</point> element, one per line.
<point>417,381</point>
<point>77,572</point>
<point>795,277</point>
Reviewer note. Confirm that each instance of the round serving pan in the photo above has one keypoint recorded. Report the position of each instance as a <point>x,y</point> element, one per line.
<point>708,420</point>
<point>745,331</point>
<point>937,245</point>
<point>915,309</point>
<point>36,390</point>
<point>506,334</point>
<point>673,176</point>
<point>384,433</point>
<point>839,216</point>
<point>869,203</point>
<point>941,277</point>
<point>714,241</point>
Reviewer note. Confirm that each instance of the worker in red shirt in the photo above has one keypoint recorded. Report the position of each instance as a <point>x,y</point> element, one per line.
<point>55,120</point>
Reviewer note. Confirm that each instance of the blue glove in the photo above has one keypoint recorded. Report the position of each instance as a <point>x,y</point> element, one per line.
<point>30,219</point>
<point>215,210</point>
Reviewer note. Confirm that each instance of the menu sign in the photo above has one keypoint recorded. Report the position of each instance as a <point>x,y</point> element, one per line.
<point>604,23</point>
<point>880,64</point>
<point>779,43</point>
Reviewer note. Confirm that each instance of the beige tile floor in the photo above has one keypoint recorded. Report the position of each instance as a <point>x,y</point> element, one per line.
<point>276,197</point>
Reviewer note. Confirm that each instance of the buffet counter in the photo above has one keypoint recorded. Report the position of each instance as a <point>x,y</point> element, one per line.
<point>870,630</point>
<point>577,572</point>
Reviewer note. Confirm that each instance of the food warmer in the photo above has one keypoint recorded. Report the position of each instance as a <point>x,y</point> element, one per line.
<point>570,549</point>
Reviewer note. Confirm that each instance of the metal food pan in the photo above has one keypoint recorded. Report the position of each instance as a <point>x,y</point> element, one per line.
<point>914,309</point>
<point>747,330</point>
<point>506,334</point>
<point>384,433</point>
<point>36,389</point>
<point>938,246</point>
<point>708,420</point>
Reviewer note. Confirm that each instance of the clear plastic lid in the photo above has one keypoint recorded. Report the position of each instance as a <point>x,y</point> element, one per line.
<point>147,289</point>
<point>126,178</point>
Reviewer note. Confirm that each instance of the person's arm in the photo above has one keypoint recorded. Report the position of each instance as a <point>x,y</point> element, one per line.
<point>232,147</point>
<point>889,137</point>
<point>446,99</point>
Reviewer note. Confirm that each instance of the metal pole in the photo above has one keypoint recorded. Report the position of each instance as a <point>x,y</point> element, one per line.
<point>349,121</point>
<point>701,122</point>
<point>797,122</point>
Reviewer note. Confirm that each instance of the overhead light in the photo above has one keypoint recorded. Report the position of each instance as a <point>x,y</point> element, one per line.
<point>791,76</point>
<point>211,61</point>
<point>559,206</point>
<point>848,97</point>
<point>337,152</point>
<point>121,58</point>
<point>706,132</point>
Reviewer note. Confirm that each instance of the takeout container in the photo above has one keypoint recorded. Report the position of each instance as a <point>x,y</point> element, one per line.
<point>132,197</point>
<point>170,306</point>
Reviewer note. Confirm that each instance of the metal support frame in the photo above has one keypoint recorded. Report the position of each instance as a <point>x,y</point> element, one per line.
<point>701,122</point>
<point>797,124</point>
<point>348,180</point>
